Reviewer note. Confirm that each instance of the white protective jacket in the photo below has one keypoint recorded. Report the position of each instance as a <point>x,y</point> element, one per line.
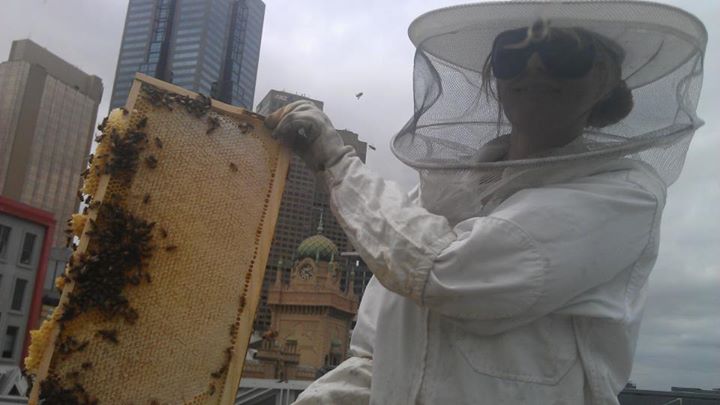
<point>538,301</point>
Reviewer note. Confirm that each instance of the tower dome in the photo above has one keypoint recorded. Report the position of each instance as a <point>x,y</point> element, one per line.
<point>318,246</point>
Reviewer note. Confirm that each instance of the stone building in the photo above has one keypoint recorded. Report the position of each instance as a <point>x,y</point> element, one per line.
<point>311,316</point>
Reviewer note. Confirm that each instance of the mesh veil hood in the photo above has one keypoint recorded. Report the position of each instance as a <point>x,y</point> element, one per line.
<point>455,137</point>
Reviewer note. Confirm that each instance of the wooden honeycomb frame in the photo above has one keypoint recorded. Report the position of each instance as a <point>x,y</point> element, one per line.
<point>212,185</point>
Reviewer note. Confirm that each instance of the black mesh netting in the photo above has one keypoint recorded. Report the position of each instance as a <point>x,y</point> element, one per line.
<point>457,136</point>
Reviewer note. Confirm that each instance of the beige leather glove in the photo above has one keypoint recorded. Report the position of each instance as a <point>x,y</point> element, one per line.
<point>309,133</point>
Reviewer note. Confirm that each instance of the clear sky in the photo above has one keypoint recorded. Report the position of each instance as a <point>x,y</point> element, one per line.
<point>332,49</point>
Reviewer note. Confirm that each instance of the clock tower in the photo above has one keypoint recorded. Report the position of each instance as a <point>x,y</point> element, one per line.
<point>311,311</point>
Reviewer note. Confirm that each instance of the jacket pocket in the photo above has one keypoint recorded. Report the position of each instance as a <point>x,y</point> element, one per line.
<point>541,352</point>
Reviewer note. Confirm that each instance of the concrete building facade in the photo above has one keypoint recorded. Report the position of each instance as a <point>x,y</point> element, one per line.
<point>48,110</point>
<point>207,46</point>
<point>304,202</point>
<point>25,238</point>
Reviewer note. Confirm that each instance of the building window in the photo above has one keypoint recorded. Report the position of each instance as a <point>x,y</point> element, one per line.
<point>18,294</point>
<point>4,239</point>
<point>8,346</point>
<point>28,246</point>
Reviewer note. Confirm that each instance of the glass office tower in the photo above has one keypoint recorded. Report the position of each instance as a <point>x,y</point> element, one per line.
<point>208,46</point>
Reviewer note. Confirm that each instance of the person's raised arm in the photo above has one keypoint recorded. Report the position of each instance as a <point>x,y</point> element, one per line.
<point>536,253</point>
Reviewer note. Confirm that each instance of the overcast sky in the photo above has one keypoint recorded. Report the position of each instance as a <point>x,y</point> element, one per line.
<point>332,49</point>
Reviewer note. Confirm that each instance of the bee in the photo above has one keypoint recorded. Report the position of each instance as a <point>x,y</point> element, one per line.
<point>142,123</point>
<point>151,161</point>
<point>101,127</point>
<point>109,335</point>
<point>245,127</point>
<point>80,195</point>
<point>163,232</point>
<point>158,143</point>
<point>73,375</point>
<point>213,124</point>
<point>86,365</point>
<point>211,389</point>
<point>233,167</point>
<point>170,248</point>
<point>131,315</point>
<point>146,198</point>
<point>124,111</point>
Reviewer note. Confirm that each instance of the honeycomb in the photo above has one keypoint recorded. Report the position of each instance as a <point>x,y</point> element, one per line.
<point>188,195</point>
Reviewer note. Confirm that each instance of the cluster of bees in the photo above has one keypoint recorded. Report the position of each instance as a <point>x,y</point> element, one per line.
<point>57,393</point>
<point>119,245</point>
<point>198,106</point>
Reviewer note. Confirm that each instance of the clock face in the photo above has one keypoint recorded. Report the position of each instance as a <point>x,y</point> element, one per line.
<point>305,272</point>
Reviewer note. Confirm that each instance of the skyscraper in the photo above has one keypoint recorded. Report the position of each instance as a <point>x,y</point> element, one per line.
<point>47,116</point>
<point>208,46</point>
<point>304,201</point>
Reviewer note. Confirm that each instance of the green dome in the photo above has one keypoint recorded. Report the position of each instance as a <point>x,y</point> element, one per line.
<point>317,246</point>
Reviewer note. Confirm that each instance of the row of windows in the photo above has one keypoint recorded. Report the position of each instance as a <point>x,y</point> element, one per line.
<point>18,293</point>
<point>139,14</point>
<point>133,38</point>
<point>26,250</point>
<point>137,30</point>
<point>189,7</point>
<point>188,32</point>
<point>9,342</point>
<point>134,44</point>
<point>190,47</point>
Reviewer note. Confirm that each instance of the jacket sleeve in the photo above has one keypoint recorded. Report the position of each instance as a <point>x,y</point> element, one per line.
<point>539,250</point>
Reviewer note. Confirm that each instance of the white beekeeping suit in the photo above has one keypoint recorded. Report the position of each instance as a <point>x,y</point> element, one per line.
<point>545,135</point>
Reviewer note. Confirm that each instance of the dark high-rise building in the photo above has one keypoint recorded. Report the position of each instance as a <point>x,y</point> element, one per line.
<point>304,201</point>
<point>207,46</point>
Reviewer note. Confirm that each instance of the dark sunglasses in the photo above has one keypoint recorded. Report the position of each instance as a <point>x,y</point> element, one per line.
<point>566,56</point>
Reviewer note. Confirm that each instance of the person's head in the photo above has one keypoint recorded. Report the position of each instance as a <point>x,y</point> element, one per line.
<point>556,78</point>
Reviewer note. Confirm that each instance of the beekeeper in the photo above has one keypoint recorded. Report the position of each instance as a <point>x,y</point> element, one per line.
<point>545,135</point>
